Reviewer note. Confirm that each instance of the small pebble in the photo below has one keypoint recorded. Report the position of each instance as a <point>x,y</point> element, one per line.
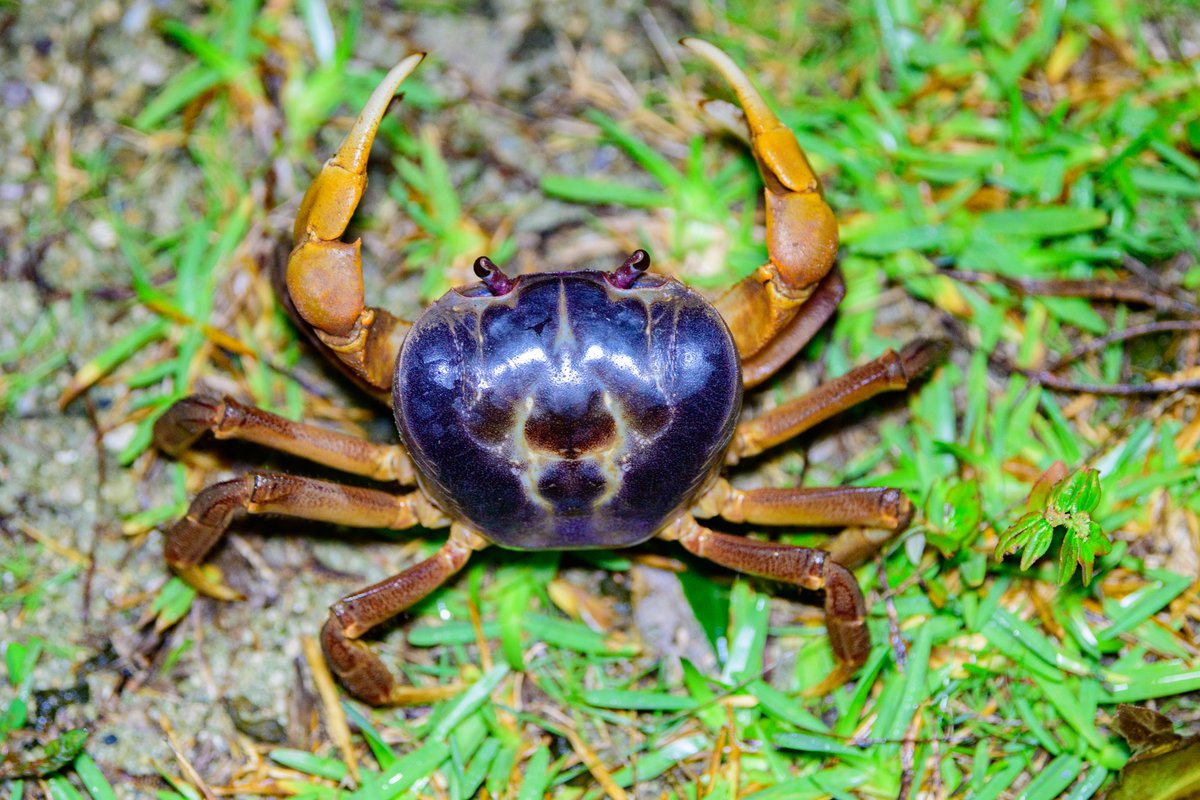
<point>47,96</point>
<point>137,17</point>
<point>102,234</point>
<point>119,437</point>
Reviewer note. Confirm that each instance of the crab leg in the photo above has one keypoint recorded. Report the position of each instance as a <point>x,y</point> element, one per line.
<point>845,611</point>
<point>188,419</point>
<point>861,510</point>
<point>324,274</point>
<point>214,509</point>
<point>802,234</point>
<point>815,312</point>
<point>819,506</point>
<point>889,372</point>
<point>360,670</point>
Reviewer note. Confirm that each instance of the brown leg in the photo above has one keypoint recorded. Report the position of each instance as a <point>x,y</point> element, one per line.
<point>213,510</point>
<point>187,419</point>
<point>815,312</point>
<point>324,275</point>
<point>360,670</point>
<point>861,510</point>
<point>856,545</point>
<point>802,235</point>
<point>845,611</point>
<point>889,372</point>
<point>822,506</point>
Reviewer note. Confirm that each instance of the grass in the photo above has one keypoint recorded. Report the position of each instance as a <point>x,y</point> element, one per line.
<point>992,170</point>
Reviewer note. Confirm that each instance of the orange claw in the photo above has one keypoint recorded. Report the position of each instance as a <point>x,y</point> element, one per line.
<point>774,145</point>
<point>324,275</point>
<point>330,201</point>
<point>802,234</point>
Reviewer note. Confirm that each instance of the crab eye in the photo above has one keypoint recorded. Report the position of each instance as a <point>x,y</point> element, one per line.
<point>623,276</point>
<point>493,278</point>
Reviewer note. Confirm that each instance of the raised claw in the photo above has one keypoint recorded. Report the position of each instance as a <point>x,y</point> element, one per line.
<point>774,145</point>
<point>802,234</point>
<point>324,274</point>
<point>330,201</point>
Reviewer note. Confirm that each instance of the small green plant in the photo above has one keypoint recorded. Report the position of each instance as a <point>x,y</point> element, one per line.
<point>181,315</point>
<point>227,57</point>
<point>952,516</point>
<point>25,754</point>
<point>1068,506</point>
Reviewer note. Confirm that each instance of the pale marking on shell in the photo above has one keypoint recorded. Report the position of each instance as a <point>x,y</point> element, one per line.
<point>530,464</point>
<point>612,459</point>
<point>565,335</point>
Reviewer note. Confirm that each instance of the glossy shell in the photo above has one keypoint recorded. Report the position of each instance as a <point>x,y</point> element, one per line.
<point>568,413</point>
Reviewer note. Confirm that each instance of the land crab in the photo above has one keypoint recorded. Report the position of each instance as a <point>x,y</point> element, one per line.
<point>572,409</point>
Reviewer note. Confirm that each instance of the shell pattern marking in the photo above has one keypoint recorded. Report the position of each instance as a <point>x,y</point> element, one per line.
<point>568,412</point>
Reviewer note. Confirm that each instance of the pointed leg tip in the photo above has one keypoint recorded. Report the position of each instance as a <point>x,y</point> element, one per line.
<point>840,676</point>
<point>709,52</point>
<point>205,583</point>
<point>923,354</point>
<point>391,83</point>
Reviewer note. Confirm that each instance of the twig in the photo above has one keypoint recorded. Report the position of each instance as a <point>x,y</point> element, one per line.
<point>1046,376</point>
<point>335,718</point>
<point>592,761</point>
<point>1117,389</point>
<point>1117,291</point>
<point>185,765</point>
<point>899,649</point>
<point>1141,271</point>
<point>908,749</point>
<point>1120,336</point>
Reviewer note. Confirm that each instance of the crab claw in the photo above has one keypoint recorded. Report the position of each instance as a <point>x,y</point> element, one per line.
<point>802,234</point>
<point>323,278</point>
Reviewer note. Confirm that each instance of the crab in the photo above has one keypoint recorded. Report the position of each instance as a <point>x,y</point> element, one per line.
<point>560,409</point>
